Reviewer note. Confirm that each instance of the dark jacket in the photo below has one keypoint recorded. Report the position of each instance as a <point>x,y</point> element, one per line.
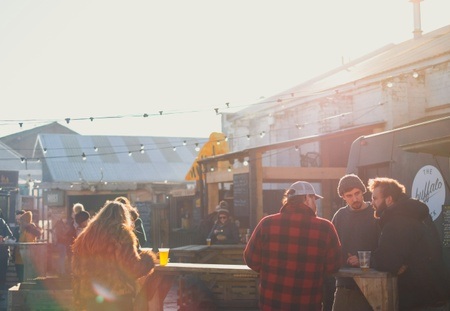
<point>4,231</point>
<point>409,238</point>
<point>227,233</point>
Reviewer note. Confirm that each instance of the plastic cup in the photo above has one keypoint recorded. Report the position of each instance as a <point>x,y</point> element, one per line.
<point>208,241</point>
<point>364,259</point>
<point>163,256</point>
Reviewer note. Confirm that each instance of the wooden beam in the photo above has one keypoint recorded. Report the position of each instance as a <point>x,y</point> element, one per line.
<point>292,174</point>
<point>282,174</point>
<point>224,176</point>
<point>213,196</point>
<point>256,188</point>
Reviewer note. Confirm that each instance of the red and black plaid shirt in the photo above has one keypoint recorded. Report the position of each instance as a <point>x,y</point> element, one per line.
<point>292,251</point>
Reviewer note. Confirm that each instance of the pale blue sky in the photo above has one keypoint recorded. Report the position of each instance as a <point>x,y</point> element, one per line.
<point>102,58</point>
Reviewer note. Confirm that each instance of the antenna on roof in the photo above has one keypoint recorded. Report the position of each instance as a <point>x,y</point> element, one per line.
<point>417,23</point>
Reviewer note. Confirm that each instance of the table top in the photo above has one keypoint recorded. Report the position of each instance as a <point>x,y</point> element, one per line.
<point>199,248</point>
<point>22,243</point>
<point>351,272</point>
<point>205,268</point>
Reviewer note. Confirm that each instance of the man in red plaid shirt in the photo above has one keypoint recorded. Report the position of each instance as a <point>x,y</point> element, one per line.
<point>293,251</point>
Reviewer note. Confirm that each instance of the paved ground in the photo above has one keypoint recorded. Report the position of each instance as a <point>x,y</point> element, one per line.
<point>4,300</point>
<point>170,303</point>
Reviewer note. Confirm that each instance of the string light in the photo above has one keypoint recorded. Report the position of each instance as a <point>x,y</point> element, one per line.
<point>197,148</point>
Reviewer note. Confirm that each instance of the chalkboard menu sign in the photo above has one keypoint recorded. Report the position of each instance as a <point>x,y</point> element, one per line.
<point>446,225</point>
<point>241,194</point>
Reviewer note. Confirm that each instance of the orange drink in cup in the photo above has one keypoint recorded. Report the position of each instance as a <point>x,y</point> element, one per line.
<point>163,256</point>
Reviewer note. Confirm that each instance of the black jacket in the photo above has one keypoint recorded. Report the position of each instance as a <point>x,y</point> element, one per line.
<point>409,238</point>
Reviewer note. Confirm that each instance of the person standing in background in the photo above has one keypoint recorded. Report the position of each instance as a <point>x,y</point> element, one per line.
<point>138,227</point>
<point>293,251</point>
<point>81,220</point>
<point>358,230</point>
<point>29,232</point>
<point>16,229</point>
<point>5,231</point>
<point>77,207</point>
<point>63,236</point>
<point>138,224</point>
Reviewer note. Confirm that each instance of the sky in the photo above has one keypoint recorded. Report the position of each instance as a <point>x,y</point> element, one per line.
<point>178,61</point>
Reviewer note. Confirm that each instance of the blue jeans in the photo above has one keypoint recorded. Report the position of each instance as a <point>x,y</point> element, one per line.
<point>61,261</point>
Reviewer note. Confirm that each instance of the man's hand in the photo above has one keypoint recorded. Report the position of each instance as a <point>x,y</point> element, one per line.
<point>352,260</point>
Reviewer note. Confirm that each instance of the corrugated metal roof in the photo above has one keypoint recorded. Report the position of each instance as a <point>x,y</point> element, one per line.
<point>108,159</point>
<point>10,160</point>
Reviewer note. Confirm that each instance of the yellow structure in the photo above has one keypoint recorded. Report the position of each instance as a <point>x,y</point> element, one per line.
<point>216,145</point>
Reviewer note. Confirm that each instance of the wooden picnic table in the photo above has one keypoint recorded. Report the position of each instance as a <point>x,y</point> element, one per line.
<point>379,288</point>
<point>218,277</point>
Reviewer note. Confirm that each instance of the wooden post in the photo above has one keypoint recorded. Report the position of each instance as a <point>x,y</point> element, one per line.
<point>256,187</point>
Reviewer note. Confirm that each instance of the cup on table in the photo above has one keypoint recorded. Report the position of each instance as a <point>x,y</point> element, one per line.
<point>163,256</point>
<point>208,241</point>
<point>364,259</point>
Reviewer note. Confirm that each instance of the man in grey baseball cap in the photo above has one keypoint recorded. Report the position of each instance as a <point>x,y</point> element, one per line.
<point>293,251</point>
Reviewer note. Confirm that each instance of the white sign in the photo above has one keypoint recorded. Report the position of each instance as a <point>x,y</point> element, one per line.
<point>428,186</point>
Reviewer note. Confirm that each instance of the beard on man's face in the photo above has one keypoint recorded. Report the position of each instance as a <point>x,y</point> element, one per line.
<point>380,209</point>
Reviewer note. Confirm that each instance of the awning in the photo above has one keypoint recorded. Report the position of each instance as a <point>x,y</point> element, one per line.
<point>294,142</point>
<point>437,146</point>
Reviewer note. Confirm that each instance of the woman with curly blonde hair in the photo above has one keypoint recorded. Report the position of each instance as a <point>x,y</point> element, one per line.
<point>106,262</point>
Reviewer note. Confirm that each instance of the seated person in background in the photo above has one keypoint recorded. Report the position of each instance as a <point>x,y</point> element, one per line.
<point>224,230</point>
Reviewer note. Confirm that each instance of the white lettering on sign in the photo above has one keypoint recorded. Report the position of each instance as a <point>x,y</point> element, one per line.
<point>428,186</point>
<point>52,198</point>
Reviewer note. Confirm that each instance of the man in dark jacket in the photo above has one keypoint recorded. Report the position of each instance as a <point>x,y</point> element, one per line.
<point>409,246</point>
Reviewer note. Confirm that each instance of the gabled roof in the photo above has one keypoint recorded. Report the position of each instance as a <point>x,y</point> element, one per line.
<point>13,161</point>
<point>23,142</point>
<point>158,162</point>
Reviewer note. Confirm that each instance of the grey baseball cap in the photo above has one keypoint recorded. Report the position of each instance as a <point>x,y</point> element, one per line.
<point>302,188</point>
